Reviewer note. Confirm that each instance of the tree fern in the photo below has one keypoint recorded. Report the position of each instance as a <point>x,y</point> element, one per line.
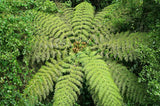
<point>61,40</point>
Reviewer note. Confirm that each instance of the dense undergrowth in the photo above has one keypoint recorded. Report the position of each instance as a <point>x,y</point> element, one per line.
<point>16,32</point>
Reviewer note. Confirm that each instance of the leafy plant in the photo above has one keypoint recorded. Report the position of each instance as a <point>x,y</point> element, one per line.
<point>78,44</point>
<point>15,34</point>
<point>46,6</point>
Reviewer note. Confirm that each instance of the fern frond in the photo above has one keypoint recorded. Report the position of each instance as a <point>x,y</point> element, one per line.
<point>123,45</point>
<point>127,82</point>
<point>66,12</point>
<point>51,25</point>
<point>105,23</point>
<point>82,21</point>
<point>68,87</point>
<point>51,35</point>
<point>101,85</point>
<point>101,25</point>
<point>101,33</point>
<point>100,16</point>
<point>42,83</point>
<point>43,49</point>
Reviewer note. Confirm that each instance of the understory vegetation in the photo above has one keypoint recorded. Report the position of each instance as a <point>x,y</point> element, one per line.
<point>79,52</point>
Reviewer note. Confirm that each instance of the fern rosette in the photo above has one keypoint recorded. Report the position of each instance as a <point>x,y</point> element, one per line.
<point>60,41</point>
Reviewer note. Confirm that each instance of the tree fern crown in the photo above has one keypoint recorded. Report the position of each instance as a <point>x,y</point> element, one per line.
<point>78,44</point>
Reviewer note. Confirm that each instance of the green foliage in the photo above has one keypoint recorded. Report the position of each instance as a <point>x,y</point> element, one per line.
<point>17,5</point>
<point>129,16</point>
<point>15,35</point>
<point>118,18</point>
<point>132,3</point>
<point>46,6</point>
<point>150,72</point>
<point>99,4</point>
<point>157,1</point>
<point>150,56</point>
<point>14,38</point>
<point>33,33</point>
